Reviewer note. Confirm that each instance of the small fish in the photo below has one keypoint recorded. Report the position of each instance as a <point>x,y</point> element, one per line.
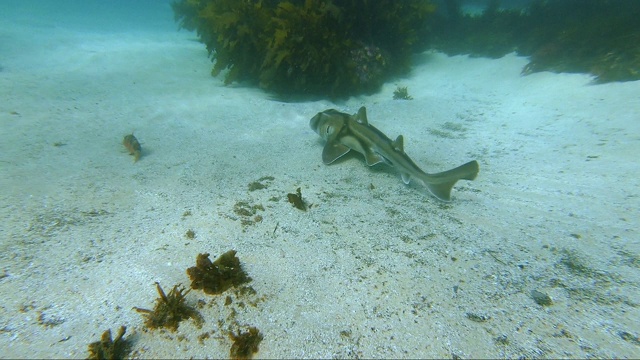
<point>132,144</point>
<point>343,133</point>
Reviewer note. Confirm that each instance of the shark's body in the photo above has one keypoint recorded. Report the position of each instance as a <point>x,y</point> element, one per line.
<point>343,133</point>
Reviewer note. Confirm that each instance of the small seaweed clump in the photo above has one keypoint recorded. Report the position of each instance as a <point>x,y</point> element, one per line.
<point>218,276</point>
<point>108,348</point>
<point>245,344</point>
<point>297,201</point>
<point>401,93</point>
<point>170,309</point>
<point>133,146</point>
<point>316,47</point>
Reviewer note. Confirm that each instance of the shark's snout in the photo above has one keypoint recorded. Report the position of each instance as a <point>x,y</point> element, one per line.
<point>315,121</point>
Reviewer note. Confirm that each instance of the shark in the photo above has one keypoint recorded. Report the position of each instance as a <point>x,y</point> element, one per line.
<point>343,132</point>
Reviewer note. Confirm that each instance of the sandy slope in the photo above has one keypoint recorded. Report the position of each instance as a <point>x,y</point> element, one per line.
<point>374,269</point>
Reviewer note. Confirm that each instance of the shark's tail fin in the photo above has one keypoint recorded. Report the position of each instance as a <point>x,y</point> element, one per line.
<point>440,184</point>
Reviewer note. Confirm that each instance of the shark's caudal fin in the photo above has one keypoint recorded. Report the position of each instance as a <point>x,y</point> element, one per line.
<point>440,184</point>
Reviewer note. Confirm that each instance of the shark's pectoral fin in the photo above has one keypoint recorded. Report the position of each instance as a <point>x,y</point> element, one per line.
<point>332,151</point>
<point>373,158</point>
<point>406,178</point>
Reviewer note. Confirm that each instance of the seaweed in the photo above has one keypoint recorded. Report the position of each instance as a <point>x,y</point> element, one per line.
<point>477,317</point>
<point>501,340</point>
<point>589,36</point>
<point>261,183</point>
<point>627,336</point>
<point>216,277</point>
<point>133,146</point>
<point>297,201</point>
<point>170,309</point>
<point>248,213</point>
<point>245,344</point>
<point>316,47</point>
<point>541,298</point>
<point>401,93</point>
<point>243,208</point>
<point>600,37</point>
<point>108,348</point>
<point>492,34</point>
<point>47,320</point>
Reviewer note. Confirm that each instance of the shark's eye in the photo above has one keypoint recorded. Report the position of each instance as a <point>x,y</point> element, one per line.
<point>328,130</point>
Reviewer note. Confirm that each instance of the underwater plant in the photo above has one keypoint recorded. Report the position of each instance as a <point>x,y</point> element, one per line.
<point>245,344</point>
<point>110,348</point>
<point>491,34</point>
<point>601,37</point>
<point>318,47</point>
<point>296,200</point>
<point>401,93</point>
<point>170,309</point>
<point>217,276</point>
<point>133,146</point>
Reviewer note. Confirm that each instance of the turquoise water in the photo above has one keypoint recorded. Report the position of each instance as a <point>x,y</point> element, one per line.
<point>537,257</point>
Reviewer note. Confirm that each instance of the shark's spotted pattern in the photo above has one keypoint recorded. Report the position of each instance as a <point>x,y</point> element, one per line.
<point>343,133</point>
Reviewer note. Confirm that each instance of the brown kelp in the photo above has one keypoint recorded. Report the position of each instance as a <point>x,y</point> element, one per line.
<point>601,37</point>
<point>319,47</point>
<point>170,309</point>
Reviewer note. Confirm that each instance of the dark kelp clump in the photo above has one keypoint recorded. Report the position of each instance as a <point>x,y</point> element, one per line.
<point>108,348</point>
<point>315,47</point>
<point>599,37</point>
<point>218,276</point>
<point>170,309</point>
<point>245,344</point>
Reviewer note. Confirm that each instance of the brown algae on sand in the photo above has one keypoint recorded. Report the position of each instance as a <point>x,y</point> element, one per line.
<point>108,347</point>
<point>217,276</point>
<point>170,309</point>
<point>296,200</point>
<point>245,344</point>
<point>133,146</point>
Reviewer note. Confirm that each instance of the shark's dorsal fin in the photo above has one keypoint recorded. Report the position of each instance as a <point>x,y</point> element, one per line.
<point>398,144</point>
<point>361,116</point>
<point>332,151</point>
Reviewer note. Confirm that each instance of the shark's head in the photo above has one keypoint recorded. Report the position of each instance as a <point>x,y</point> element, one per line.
<point>328,123</point>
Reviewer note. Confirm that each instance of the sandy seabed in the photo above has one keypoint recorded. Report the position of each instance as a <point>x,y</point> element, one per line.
<point>375,268</point>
